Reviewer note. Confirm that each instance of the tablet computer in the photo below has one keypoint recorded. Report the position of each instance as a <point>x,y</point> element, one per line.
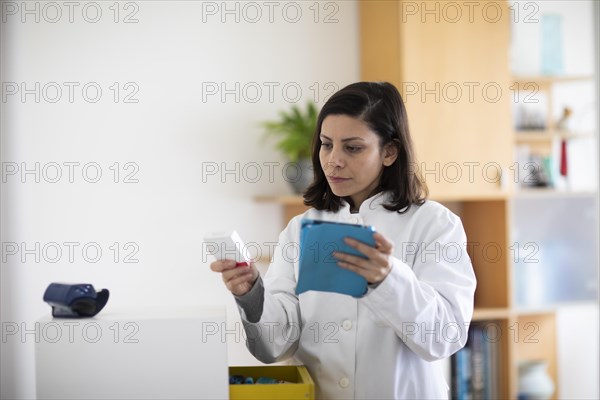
<point>318,268</point>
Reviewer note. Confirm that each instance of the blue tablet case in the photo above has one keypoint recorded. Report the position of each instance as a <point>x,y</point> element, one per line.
<point>318,268</point>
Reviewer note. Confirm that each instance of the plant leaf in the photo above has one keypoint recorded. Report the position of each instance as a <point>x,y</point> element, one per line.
<point>295,129</point>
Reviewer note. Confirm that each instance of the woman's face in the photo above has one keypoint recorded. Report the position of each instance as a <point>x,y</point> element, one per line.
<point>351,157</point>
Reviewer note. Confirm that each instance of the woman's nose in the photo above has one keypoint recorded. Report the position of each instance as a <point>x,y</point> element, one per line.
<point>335,159</point>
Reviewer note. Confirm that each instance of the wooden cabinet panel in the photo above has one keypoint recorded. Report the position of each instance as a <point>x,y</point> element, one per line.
<point>455,81</point>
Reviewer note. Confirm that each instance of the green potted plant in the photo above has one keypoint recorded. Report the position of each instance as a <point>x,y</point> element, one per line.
<point>295,129</point>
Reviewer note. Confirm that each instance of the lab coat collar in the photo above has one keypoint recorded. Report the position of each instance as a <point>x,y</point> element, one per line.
<point>367,206</point>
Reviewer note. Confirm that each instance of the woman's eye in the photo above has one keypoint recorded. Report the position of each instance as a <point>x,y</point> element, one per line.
<point>353,149</point>
<point>326,145</point>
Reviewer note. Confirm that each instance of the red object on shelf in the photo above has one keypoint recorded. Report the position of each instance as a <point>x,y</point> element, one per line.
<point>563,157</point>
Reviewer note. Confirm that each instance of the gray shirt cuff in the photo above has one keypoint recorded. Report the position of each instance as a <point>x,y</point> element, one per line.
<point>253,301</point>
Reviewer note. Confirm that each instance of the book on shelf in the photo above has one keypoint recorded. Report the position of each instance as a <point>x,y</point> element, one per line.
<point>461,374</point>
<point>475,368</point>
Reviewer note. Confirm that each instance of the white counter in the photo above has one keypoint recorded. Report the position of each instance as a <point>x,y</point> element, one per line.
<point>133,354</point>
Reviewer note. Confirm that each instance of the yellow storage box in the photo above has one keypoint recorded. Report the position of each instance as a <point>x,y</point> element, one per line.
<point>301,386</point>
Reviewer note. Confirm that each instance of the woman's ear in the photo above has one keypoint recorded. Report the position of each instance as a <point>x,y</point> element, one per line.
<point>390,153</point>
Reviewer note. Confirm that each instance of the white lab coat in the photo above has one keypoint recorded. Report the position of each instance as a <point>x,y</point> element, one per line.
<point>379,346</point>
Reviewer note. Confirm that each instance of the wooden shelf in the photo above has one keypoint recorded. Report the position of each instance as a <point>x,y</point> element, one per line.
<point>547,80</point>
<point>551,193</point>
<point>295,200</point>
<point>523,136</point>
<point>530,135</point>
<point>470,197</point>
<point>292,204</point>
<point>534,337</point>
<point>523,312</point>
<point>484,314</point>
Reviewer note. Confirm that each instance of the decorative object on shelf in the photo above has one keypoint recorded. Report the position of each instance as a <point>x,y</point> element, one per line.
<point>296,129</point>
<point>563,158</point>
<point>537,171</point>
<point>552,40</point>
<point>530,118</point>
<point>561,124</point>
<point>534,381</point>
<point>531,107</point>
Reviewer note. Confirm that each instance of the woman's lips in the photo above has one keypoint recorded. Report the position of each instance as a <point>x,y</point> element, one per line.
<point>336,179</point>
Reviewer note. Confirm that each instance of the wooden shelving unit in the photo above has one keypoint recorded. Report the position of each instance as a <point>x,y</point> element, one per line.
<point>399,49</point>
<point>533,332</point>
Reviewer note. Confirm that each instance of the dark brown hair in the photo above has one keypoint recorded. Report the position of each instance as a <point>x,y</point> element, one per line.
<point>380,106</point>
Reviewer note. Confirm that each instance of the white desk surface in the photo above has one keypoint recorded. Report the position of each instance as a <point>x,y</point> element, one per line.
<point>144,353</point>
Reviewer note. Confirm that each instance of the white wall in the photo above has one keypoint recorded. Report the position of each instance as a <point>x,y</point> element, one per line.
<point>170,135</point>
<point>577,334</point>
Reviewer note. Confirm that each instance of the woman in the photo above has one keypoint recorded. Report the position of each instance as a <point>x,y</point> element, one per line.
<point>419,300</point>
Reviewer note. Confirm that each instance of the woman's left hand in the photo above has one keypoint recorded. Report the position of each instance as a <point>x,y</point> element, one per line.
<point>379,258</point>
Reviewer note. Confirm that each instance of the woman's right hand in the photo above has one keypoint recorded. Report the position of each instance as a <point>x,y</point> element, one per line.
<point>239,280</point>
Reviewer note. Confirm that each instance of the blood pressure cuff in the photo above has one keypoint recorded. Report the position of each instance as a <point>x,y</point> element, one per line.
<point>75,301</point>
